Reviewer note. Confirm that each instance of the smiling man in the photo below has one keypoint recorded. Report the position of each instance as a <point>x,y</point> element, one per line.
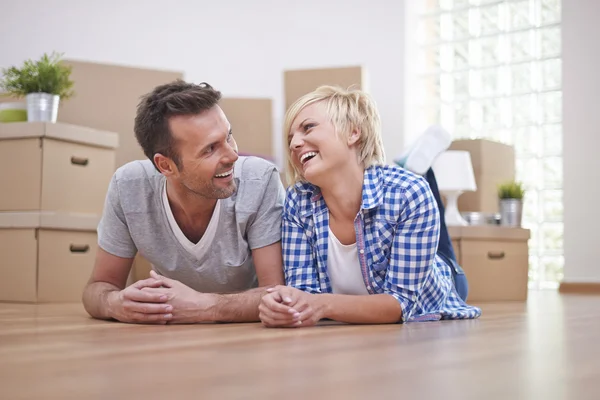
<point>207,219</point>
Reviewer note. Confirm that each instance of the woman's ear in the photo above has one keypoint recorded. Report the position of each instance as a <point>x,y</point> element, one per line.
<point>354,137</point>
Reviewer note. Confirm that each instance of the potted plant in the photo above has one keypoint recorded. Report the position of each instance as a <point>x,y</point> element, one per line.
<point>511,196</point>
<point>43,83</point>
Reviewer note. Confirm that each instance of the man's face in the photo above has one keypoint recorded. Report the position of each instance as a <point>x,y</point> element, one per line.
<point>207,153</point>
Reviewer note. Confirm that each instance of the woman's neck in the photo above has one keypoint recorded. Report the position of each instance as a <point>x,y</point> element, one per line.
<point>343,192</point>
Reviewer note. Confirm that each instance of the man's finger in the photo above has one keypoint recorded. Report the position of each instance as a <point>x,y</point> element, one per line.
<point>151,318</point>
<point>146,295</point>
<point>149,282</point>
<point>147,308</point>
<point>166,281</point>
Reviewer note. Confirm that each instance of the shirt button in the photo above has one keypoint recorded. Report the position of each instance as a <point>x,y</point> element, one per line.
<point>361,251</point>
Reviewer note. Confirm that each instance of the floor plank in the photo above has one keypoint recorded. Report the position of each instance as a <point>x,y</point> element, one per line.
<point>546,348</point>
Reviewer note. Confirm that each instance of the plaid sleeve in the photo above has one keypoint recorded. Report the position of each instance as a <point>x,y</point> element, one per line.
<point>414,246</point>
<point>299,261</point>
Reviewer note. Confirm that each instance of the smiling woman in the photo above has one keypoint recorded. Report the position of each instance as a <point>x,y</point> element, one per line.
<point>360,238</point>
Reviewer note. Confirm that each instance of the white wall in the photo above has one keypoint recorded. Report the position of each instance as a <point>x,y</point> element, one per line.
<point>240,47</point>
<point>581,140</point>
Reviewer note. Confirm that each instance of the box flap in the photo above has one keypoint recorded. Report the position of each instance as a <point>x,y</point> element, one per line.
<point>60,131</point>
<point>49,220</point>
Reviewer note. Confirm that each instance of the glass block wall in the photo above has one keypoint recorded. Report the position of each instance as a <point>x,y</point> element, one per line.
<point>492,69</point>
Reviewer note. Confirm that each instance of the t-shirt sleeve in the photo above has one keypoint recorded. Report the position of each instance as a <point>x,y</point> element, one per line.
<point>266,227</point>
<point>113,232</point>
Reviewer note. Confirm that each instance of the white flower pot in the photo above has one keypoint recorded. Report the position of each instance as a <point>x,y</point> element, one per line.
<point>511,212</point>
<point>42,107</point>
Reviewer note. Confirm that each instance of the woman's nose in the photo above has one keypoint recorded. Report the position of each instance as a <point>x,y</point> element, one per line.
<point>296,142</point>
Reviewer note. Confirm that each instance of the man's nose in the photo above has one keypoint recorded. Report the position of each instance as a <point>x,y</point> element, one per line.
<point>232,153</point>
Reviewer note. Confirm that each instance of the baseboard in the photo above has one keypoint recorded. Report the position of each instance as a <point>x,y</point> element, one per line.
<point>580,287</point>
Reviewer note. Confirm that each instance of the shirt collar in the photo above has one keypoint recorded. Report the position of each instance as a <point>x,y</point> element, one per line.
<point>372,191</point>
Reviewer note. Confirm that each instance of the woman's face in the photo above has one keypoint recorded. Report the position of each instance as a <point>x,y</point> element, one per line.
<point>315,149</point>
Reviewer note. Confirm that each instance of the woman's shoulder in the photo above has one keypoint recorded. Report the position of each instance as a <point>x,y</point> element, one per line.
<point>298,196</point>
<point>393,178</point>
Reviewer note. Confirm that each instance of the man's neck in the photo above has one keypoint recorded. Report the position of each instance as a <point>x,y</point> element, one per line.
<point>191,211</point>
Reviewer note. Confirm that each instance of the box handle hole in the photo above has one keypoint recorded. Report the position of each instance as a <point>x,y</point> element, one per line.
<point>79,248</point>
<point>498,255</point>
<point>79,161</point>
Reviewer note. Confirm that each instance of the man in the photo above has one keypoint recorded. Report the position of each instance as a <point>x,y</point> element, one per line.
<point>207,219</point>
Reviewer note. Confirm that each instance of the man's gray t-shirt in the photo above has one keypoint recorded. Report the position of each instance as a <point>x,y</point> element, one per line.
<point>134,220</point>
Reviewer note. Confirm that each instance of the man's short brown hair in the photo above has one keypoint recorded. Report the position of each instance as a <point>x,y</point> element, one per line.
<point>157,107</point>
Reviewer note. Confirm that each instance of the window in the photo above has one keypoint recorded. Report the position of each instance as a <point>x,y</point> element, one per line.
<point>492,69</point>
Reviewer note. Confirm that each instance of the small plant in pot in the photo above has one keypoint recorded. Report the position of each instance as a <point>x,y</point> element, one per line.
<point>511,196</point>
<point>43,83</point>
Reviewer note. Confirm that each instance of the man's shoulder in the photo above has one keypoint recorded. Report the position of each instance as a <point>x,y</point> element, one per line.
<point>251,168</point>
<point>134,170</point>
<point>137,181</point>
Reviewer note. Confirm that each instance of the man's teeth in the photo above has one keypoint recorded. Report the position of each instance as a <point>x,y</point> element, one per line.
<point>224,174</point>
<point>305,156</point>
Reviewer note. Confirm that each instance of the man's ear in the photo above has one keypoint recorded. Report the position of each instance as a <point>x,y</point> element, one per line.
<point>354,136</point>
<point>165,165</point>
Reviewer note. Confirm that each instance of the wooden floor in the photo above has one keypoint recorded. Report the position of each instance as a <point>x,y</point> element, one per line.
<point>546,349</point>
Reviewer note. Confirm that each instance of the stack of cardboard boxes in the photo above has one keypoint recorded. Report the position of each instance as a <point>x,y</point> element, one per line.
<point>54,179</point>
<point>495,258</point>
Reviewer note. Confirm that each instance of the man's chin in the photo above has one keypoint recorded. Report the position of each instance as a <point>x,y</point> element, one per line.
<point>225,192</point>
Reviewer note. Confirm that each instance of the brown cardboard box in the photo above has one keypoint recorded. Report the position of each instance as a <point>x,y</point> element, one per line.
<point>493,163</point>
<point>495,260</point>
<point>46,257</point>
<point>299,82</point>
<point>106,98</point>
<point>55,167</point>
<point>252,125</point>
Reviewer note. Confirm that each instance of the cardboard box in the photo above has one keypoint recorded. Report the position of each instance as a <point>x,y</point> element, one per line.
<point>106,98</point>
<point>55,167</point>
<point>46,257</point>
<point>299,82</point>
<point>493,164</point>
<point>495,260</point>
<point>252,125</point>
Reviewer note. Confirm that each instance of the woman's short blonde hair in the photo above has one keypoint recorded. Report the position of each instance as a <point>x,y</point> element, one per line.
<point>348,110</point>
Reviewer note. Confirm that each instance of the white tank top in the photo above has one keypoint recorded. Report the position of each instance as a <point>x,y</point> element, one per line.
<point>343,268</point>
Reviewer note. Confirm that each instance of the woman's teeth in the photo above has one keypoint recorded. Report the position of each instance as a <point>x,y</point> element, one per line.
<point>306,156</point>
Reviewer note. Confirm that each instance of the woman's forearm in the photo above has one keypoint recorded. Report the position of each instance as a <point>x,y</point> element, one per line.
<point>368,309</point>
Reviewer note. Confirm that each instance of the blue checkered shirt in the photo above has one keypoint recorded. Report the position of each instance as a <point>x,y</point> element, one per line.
<point>397,234</point>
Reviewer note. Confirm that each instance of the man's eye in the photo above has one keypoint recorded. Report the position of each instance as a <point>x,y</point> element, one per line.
<point>209,149</point>
<point>229,136</point>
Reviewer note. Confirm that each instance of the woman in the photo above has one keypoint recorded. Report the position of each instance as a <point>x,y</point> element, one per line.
<point>360,238</point>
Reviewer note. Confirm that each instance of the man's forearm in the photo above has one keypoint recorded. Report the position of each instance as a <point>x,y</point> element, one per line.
<point>238,307</point>
<point>95,299</point>
<point>373,309</point>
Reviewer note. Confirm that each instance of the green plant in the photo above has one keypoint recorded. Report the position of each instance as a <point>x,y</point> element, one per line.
<point>47,75</point>
<point>511,190</point>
